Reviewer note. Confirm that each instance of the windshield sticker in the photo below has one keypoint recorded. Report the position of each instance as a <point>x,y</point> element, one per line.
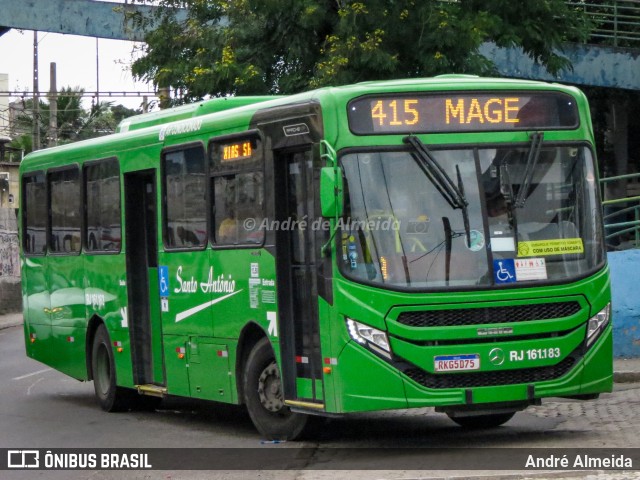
<point>562,246</point>
<point>530,269</point>
<point>477,241</point>
<point>503,244</point>
<point>504,271</point>
<point>353,254</point>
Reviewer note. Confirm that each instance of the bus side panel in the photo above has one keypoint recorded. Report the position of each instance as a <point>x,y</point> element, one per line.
<point>106,298</point>
<point>37,303</point>
<point>212,296</point>
<point>327,316</point>
<point>66,284</point>
<point>176,364</point>
<point>186,311</point>
<point>253,272</point>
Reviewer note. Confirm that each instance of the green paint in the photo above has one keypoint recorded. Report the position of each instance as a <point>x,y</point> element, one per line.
<point>213,293</point>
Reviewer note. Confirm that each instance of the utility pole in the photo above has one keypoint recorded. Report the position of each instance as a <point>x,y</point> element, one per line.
<point>36,96</point>
<point>97,75</point>
<point>53,107</point>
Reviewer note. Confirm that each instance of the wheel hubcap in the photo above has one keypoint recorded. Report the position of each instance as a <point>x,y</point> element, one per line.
<point>270,388</point>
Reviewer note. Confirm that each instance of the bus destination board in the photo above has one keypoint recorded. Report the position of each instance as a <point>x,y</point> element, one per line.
<point>466,112</point>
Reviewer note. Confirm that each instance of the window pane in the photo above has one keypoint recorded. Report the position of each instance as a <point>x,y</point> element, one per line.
<point>35,216</point>
<point>104,232</point>
<point>224,199</point>
<point>249,202</point>
<point>65,211</point>
<point>238,209</point>
<point>185,189</point>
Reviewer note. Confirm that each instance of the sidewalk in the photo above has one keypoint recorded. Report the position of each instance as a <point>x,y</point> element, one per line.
<point>625,370</point>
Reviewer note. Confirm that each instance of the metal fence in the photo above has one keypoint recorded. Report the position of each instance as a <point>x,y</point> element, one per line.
<point>616,22</point>
<point>622,216</point>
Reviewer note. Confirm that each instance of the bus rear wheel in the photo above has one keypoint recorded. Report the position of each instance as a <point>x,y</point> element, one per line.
<point>110,397</point>
<point>264,397</point>
<point>491,420</point>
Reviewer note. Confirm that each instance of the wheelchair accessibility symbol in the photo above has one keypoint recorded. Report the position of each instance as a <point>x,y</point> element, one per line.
<point>163,279</point>
<point>504,271</point>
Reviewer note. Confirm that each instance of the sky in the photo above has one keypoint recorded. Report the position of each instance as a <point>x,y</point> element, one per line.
<point>75,58</point>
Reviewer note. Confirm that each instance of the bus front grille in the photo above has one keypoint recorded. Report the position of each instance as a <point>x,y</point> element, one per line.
<point>495,378</point>
<point>488,315</point>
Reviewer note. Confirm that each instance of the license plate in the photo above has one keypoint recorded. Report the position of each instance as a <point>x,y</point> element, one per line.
<point>456,363</point>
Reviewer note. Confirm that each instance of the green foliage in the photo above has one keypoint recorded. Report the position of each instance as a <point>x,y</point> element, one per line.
<point>286,46</point>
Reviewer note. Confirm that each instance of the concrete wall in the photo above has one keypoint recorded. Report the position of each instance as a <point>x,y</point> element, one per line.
<point>625,291</point>
<point>10,292</point>
<point>594,65</point>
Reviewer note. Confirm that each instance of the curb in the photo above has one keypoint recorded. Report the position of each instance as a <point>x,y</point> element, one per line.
<point>9,325</point>
<point>567,474</point>
<point>626,377</point>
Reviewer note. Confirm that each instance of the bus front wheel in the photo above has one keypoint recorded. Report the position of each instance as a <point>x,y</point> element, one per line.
<point>110,397</point>
<point>491,420</point>
<point>264,397</point>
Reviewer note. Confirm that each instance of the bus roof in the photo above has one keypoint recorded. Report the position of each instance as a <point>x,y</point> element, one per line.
<point>147,128</point>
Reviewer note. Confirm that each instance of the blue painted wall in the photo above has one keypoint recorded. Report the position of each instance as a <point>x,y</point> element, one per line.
<point>625,292</point>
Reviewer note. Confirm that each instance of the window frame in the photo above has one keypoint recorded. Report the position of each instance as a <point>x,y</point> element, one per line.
<point>85,226</point>
<point>53,171</point>
<point>24,207</point>
<point>163,185</point>
<point>233,170</point>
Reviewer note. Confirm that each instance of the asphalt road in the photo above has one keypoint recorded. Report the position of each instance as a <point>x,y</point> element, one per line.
<point>41,408</point>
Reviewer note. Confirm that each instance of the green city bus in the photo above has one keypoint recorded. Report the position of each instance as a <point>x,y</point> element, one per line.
<point>385,245</point>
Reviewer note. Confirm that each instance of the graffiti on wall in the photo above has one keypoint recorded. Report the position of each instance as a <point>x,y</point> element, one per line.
<point>9,255</point>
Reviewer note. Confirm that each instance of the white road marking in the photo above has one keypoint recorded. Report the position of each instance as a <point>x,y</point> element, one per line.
<point>32,374</point>
<point>33,385</point>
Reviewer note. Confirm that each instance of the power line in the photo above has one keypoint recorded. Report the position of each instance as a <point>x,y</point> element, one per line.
<point>116,94</point>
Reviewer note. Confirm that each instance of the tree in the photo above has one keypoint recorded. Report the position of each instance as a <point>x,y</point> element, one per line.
<point>286,46</point>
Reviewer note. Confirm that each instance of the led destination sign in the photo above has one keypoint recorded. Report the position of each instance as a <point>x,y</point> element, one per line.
<point>456,111</point>
<point>236,151</point>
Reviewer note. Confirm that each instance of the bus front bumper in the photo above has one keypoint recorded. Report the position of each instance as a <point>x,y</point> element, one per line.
<point>368,383</point>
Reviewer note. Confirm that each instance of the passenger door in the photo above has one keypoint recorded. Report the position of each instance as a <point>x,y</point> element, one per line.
<point>296,275</point>
<point>145,328</point>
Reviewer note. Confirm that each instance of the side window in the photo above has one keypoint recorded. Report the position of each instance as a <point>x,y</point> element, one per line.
<point>237,190</point>
<point>34,211</point>
<point>64,195</point>
<point>238,209</point>
<point>102,199</point>
<point>185,223</point>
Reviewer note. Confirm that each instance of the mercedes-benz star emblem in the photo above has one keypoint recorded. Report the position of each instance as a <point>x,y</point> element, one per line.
<point>496,356</point>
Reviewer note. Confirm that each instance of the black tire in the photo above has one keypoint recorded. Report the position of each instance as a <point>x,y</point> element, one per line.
<point>110,397</point>
<point>264,399</point>
<point>483,421</point>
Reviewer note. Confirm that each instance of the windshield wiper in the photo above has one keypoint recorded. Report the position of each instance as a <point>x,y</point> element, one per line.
<point>532,160</point>
<point>506,189</point>
<point>452,193</point>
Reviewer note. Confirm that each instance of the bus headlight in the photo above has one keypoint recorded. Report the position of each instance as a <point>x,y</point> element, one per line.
<point>597,324</point>
<point>373,338</point>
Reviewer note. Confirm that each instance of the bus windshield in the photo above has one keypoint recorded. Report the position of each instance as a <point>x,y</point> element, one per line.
<point>520,224</point>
